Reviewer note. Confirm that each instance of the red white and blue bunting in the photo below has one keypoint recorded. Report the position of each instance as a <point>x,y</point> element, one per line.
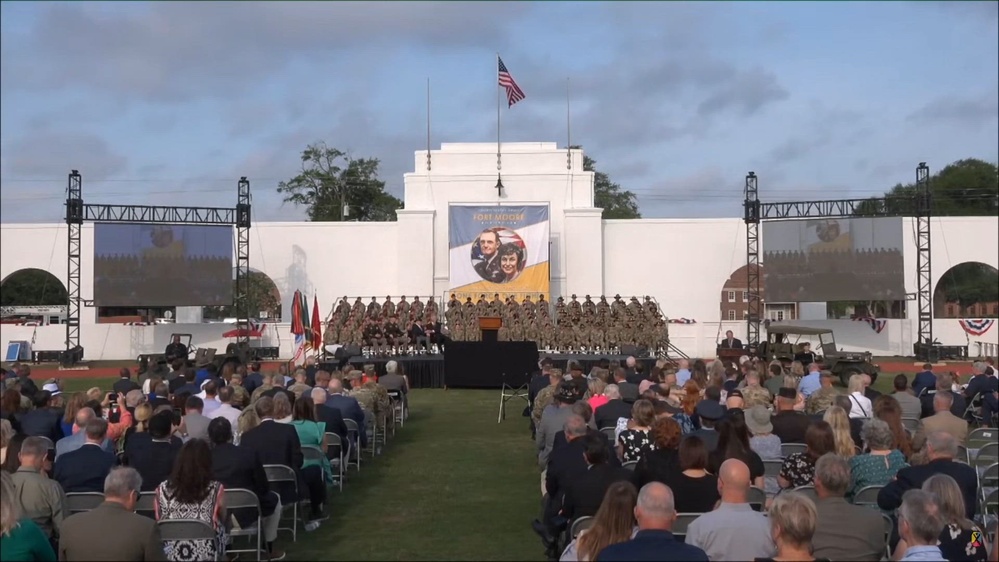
<point>139,324</point>
<point>977,326</point>
<point>876,324</point>
<point>682,321</point>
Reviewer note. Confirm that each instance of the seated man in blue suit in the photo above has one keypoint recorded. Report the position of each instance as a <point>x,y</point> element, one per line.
<point>73,442</point>
<point>924,380</point>
<point>656,514</point>
<point>85,469</point>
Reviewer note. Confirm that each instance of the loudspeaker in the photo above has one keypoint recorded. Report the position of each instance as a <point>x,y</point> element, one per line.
<point>347,351</point>
<point>204,356</point>
<point>634,350</point>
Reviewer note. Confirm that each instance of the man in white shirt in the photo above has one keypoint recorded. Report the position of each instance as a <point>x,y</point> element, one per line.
<point>225,409</point>
<point>733,531</point>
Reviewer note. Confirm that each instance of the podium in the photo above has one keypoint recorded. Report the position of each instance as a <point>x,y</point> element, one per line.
<point>727,353</point>
<point>489,326</point>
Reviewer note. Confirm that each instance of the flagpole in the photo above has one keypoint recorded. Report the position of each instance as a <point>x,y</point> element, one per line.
<point>568,129</point>
<point>499,153</point>
<point>428,123</point>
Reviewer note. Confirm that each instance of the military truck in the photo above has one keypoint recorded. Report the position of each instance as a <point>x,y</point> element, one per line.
<point>844,364</point>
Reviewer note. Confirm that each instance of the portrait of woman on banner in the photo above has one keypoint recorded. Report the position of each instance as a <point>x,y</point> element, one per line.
<point>511,258</point>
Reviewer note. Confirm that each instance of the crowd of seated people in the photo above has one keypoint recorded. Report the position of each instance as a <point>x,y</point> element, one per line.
<point>788,275</point>
<point>182,440</point>
<point>387,328</point>
<point>844,474</point>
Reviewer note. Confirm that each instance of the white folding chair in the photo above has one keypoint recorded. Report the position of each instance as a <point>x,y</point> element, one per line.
<point>187,530</point>
<point>241,498</point>
<point>282,474</point>
<point>77,502</point>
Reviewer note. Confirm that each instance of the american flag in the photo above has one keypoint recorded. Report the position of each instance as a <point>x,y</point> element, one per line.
<point>513,91</point>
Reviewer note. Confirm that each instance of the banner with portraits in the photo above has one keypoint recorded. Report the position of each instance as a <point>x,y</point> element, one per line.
<point>499,249</point>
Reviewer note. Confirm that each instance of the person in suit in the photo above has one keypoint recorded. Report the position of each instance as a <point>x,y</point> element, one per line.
<point>788,424</point>
<point>125,384</point>
<point>924,380</point>
<point>332,417</point>
<point>615,408</point>
<point>584,494</point>
<point>277,443</point>
<point>488,264</point>
<point>911,408</point>
<point>565,464</point>
<point>980,383</point>
<point>42,421</point>
<point>152,452</point>
<point>254,379</point>
<point>628,391</point>
<point>348,406</point>
<point>945,381</point>
<point>941,449</point>
<point>730,341</point>
<point>942,420</point>
<point>418,335</point>
<point>112,530</point>
<point>239,467</point>
<point>654,541</point>
<point>843,531</point>
<point>195,423</point>
<point>73,442</point>
<point>85,469</point>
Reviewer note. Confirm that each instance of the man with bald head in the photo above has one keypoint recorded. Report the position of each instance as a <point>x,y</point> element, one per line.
<point>655,513</point>
<point>733,531</point>
<point>349,407</point>
<point>333,417</point>
<point>941,450</point>
<point>79,438</point>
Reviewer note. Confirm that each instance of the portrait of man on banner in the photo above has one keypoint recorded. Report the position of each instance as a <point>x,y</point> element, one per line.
<point>499,255</point>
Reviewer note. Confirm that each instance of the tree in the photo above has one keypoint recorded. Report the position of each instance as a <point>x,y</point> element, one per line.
<point>967,187</point>
<point>968,284</point>
<point>616,202</point>
<point>33,287</point>
<point>331,178</point>
<point>262,294</point>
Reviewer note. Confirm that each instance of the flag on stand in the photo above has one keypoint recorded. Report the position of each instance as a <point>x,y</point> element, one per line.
<point>513,91</point>
<point>317,329</point>
<point>297,328</point>
<point>306,324</point>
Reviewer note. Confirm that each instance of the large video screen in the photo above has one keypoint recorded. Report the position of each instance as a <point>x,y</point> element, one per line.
<point>144,265</point>
<point>833,260</point>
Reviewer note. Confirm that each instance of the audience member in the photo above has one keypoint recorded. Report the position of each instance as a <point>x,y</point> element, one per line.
<point>907,401</point>
<point>79,437</point>
<point>565,464</point>
<point>42,420</point>
<point>655,514</point>
<point>85,469</point>
<point>733,531</point>
<point>843,531</point>
<point>880,463</point>
<point>552,421</point>
<point>924,380</point>
<point>696,489</point>
<point>240,467</point>
<point>192,493</point>
<point>941,420</point>
<point>209,397</point>
<point>860,405</point>
<point>941,448</point>
<point>39,499</point>
<point>811,382</point>
<point>316,472</point>
<point>152,453</point>
<point>659,464</point>
<point>348,406</point>
<point>824,397</point>
<point>789,425</point>
<point>839,422</point>
<point>887,409</point>
<point>125,384</point>
<point>195,423</point>
<point>584,493</point>
<point>709,412</point>
<point>947,382</point>
<point>332,417</point>
<point>919,526</point>
<point>225,408</point>
<point>799,468</point>
<point>793,519</point>
<point>20,539</point>
<point>958,539</point>
<point>733,443</point>
<point>134,538</point>
<point>613,410</point>
<point>614,523</point>
<point>635,441</point>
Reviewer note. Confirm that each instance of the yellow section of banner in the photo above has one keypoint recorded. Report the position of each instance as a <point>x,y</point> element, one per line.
<point>533,281</point>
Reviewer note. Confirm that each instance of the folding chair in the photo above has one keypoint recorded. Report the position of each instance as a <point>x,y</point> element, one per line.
<point>963,455</point>
<point>77,502</point>
<point>788,449</point>
<point>910,424</point>
<point>241,498</point>
<point>279,474</point>
<point>981,437</point>
<point>683,520</point>
<point>399,407</point>
<point>334,452</point>
<point>580,525</point>
<point>889,527</point>
<point>990,507</point>
<point>187,530</point>
<point>771,467</point>
<point>987,454</point>
<point>867,496</point>
<point>988,479</point>
<point>146,504</point>
<point>756,498</point>
<point>630,465</point>
<point>610,432</point>
<point>354,442</point>
<point>808,491</point>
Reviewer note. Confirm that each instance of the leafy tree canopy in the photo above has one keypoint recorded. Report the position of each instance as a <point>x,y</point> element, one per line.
<point>968,284</point>
<point>331,179</point>
<point>967,187</point>
<point>32,287</point>
<point>262,294</point>
<point>616,202</point>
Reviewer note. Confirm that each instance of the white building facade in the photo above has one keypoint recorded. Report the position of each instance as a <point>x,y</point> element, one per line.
<point>682,263</point>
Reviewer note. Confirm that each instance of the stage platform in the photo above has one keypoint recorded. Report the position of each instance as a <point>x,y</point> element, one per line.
<point>427,371</point>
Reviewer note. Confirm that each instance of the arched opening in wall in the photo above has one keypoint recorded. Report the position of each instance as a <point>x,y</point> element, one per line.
<point>734,302</point>
<point>967,290</point>
<point>32,295</point>
<point>264,297</point>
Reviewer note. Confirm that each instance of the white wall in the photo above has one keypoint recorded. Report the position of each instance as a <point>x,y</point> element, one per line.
<point>683,263</point>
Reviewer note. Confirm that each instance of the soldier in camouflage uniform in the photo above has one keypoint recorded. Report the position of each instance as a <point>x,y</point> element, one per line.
<point>383,404</point>
<point>342,309</point>
<point>388,308</point>
<point>431,308</point>
<point>823,398</point>
<point>542,307</point>
<point>618,308</point>
<point>598,339</point>
<point>468,310</point>
<point>651,309</point>
<point>528,308</point>
<point>358,308</point>
<point>546,395</point>
<point>561,311</point>
<point>589,307</point>
<point>753,394</point>
<point>403,309</point>
<point>496,306</point>
<point>602,308</point>
<point>575,309</point>
<point>415,310</point>
<point>374,309</point>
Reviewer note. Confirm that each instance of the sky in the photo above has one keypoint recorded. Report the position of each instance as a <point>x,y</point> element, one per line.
<point>171,103</point>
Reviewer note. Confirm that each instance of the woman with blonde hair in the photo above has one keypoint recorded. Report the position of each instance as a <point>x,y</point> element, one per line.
<point>793,519</point>
<point>716,373</point>
<point>797,370</point>
<point>6,432</point>
<point>860,405</point>
<point>597,397</point>
<point>613,523</point>
<point>837,419</point>
<point>141,416</point>
<point>248,419</point>
<point>20,539</point>
<point>956,542</point>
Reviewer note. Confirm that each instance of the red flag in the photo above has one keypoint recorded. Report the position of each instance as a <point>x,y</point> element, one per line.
<point>317,331</point>
<point>297,326</point>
